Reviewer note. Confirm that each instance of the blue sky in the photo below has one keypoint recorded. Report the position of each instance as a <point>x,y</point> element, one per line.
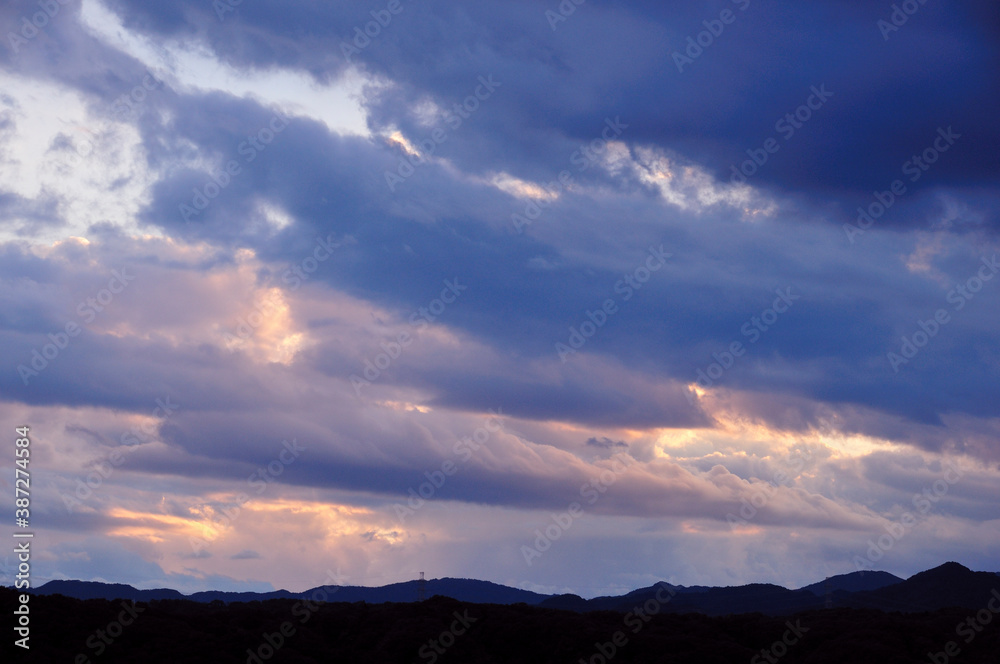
<point>280,295</point>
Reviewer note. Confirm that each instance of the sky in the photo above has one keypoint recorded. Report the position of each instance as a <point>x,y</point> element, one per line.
<point>572,297</point>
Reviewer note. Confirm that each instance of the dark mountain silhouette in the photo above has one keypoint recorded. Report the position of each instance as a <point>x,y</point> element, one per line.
<point>756,597</point>
<point>853,582</point>
<point>567,602</point>
<point>950,585</point>
<point>227,597</point>
<point>464,590</point>
<point>98,590</point>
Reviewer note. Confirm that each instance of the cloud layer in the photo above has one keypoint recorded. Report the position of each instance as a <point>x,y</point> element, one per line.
<point>278,292</point>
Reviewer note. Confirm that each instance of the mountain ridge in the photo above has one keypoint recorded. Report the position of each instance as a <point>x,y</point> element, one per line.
<point>948,585</point>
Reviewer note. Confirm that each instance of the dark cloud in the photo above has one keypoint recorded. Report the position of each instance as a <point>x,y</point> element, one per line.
<point>246,554</point>
<point>934,72</point>
<point>812,363</point>
<point>606,443</point>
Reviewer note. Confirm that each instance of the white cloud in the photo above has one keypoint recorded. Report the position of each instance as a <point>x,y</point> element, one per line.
<point>191,67</point>
<point>93,169</point>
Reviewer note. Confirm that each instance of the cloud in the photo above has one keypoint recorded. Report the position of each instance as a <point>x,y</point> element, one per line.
<point>278,285</point>
<point>246,554</point>
<point>606,443</point>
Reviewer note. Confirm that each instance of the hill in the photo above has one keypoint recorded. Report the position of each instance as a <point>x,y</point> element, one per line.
<point>950,585</point>
<point>465,590</point>
<point>853,582</point>
<point>98,590</point>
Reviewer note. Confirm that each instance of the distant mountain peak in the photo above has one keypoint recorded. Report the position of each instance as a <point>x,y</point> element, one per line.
<point>947,570</point>
<point>853,582</point>
<point>103,590</point>
<point>950,584</point>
